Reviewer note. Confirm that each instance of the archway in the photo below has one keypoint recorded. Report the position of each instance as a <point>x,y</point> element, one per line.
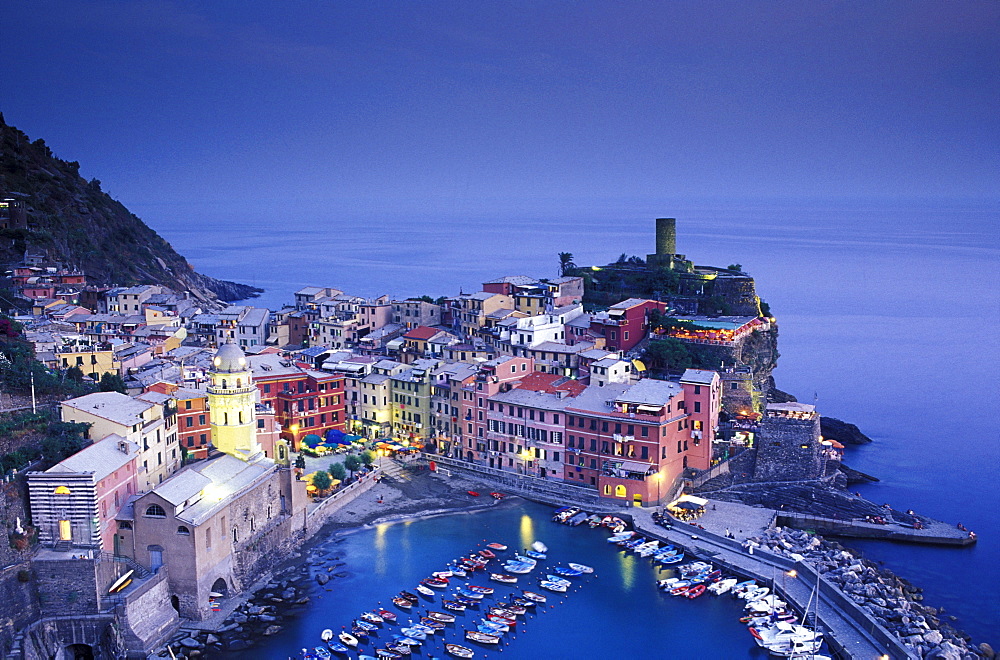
<point>79,652</point>
<point>620,491</point>
<point>220,587</point>
<point>175,603</point>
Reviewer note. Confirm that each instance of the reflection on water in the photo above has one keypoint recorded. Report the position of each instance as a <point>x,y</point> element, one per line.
<point>381,564</point>
<point>627,571</point>
<point>527,531</point>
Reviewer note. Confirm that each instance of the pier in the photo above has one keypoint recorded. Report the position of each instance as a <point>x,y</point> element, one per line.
<point>934,532</point>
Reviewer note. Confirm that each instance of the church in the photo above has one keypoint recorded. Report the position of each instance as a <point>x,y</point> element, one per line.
<point>220,523</point>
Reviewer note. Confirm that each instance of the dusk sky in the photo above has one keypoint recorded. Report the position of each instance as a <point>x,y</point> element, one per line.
<point>453,107</point>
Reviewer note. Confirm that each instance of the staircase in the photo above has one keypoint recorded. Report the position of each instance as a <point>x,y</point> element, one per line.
<point>62,546</point>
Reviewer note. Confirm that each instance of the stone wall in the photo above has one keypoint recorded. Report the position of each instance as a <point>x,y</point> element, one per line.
<point>67,586</point>
<point>147,618</point>
<point>788,450</point>
<point>18,605</point>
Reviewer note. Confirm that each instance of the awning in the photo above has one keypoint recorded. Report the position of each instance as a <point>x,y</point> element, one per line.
<point>633,466</point>
<point>354,438</point>
<point>639,365</point>
<point>312,440</point>
<point>337,436</point>
<point>395,343</point>
<point>692,499</point>
<point>649,409</point>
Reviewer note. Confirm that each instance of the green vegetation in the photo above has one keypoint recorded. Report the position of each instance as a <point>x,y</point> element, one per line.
<point>352,463</point>
<point>112,383</point>
<point>29,436</point>
<point>18,364</point>
<point>667,354</point>
<point>368,457</point>
<point>566,264</point>
<point>738,268</point>
<point>338,471</point>
<point>322,481</point>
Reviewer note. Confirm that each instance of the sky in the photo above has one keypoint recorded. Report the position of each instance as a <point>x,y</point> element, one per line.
<point>464,108</point>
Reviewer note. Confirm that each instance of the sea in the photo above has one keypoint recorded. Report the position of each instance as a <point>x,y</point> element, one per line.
<point>888,317</point>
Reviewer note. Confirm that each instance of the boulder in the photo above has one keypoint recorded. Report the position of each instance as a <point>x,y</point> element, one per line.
<point>272,630</point>
<point>322,578</point>
<point>191,643</point>
<point>987,651</point>
<point>238,644</point>
<point>933,637</point>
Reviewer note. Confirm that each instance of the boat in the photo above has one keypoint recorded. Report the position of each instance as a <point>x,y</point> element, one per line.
<point>594,520</point>
<point>754,593</point>
<point>534,554</point>
<point>695,567</point>
<point>453,605</point>
<point>427,591</point>
<point>524,559</point>
<point>740,587</point>
<point>497,496</point>
<point>558,580</point>
<point>499,547</point>
<point>387,654</point>
<point>425,629</point>
<point>371,617</point>
<point>402,603</point>
<point>583,568</point>
<point>487,553</point>
<point>468,602</point>
<point>406,641</point>
<point>552,586</point>
<point>500,618</point>
<point>414,634</point>
<point>360,633</point>
<point>441,616</point>
<point>680,590</point>
<point>387,615</point>
<point>539,546</point>
<point>479,590</point>
<point>531,595</point>
<point>437,583</point>
<point>695,591</point>
<point>722,586</point>
<point>321,652</point>
<point>506,579</point>
<point>473,493</point>
<point>459,651</point>
<point>676,559</point>
<point>399,647</point>
<point>492,627</point>
<point>568,572</point>
<point>431,622</point>
<point>326,635</point>
<point>523,602</point>
<point>365,625</point>
<point>409,596</point>
<point>338,648</point>
<point>347,639</point>
<point>518,568</point>
<point>785,634</point>
<point>469,593</point>
<point>482,638</point>
<point>460,572</point>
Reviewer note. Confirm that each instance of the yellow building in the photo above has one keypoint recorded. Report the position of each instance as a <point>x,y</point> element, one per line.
<point>231,398</point>
<point>93,362</point>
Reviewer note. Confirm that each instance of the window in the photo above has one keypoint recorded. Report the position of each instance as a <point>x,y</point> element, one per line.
<point>697,389</point>
<point>183,531</point>
<point>201,420</point>
<point>697,406</point>
<point>155,511</point>
<point>124,524</point>
<point>190,422</point>
<point>678,446</point>
<point>645,453</point>
<point>187,405</point>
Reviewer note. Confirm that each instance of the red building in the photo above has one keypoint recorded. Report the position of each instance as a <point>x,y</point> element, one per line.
<point>625,324</point>
<point>193,427</point>
<point>493,377</point>
<point>304,401</point>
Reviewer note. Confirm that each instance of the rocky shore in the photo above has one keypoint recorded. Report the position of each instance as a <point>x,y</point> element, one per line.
<point>894,602</point>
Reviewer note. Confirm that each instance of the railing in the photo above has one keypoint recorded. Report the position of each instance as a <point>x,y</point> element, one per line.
<point>140,571</point>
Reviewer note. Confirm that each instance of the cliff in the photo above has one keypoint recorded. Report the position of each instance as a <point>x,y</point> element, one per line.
<point>74,222</point>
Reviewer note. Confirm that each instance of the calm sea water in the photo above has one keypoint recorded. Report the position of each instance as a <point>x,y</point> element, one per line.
<point>620,610</point>
<point>888,318</point>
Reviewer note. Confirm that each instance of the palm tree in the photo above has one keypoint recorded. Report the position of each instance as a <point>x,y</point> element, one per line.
<point>566,262</point>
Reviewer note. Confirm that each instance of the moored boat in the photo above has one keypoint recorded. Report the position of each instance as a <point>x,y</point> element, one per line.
<point>480,590</point>
<point>498,547</point>
<point>506,579</point>
<point>583,568</point>
<point>387,615</point>
<point>347,639</point>
<point>431,622</point>
<point>558,580</point>
<point>321,652</point>
<point>427,591</point>
<point>568,572</point>
<point>371,617</point>
<point>531,595</point>
<point>534,554</point>
<point>539,546</point>
<point>441,616</point>
<point>487,553</point>
<point>459,651</point>
<point>482,638</point>
<point>552,586</point>
<point>695,591</point>
<point>402,603</point>
<point>453,605</point>
<point>409,596</point>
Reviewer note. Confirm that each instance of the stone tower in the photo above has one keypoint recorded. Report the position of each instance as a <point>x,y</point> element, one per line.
<point>232,400</point>
<point>666,236</point>
<point>788,444</point>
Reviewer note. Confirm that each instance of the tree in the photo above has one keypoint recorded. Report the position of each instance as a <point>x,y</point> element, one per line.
<point>368,457</point>
<point>668,353</point>
<point>735,267</point>
<point>112,383</point>
<point>352,463</point>
<point>322,481</point>
<point>338,471</point>
<point>74,374</point>
<point>566,263</point>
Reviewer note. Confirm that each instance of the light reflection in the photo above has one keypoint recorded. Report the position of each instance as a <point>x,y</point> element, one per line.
<point>381,564</point>
<point>628,571</point>
<point>527,531</point>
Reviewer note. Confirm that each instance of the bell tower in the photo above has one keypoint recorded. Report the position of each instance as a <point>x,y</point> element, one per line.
<point>231,398</point>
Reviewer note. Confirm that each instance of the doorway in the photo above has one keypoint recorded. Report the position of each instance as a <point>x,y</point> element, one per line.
<point>65,531</point>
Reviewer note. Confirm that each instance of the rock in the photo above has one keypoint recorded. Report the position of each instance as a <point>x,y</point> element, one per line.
<point>191,643</point>
<point>272,630</point>
<point>322,578</point>
<point>267,618</point>
<point>302,601</point>
<point>211,639</point>
<point>288,594</point>
<point>846,433</point>
<point>987,651</point>
<point>240,618</point>
<point>238,644</point>
<point>933,637</point>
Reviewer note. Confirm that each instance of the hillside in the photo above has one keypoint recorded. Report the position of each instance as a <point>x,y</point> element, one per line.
<point>74,222</point>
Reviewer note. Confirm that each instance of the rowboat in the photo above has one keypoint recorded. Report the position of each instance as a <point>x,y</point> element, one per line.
<point>680,591</point>
<point>387,654</point>
<point>360,633</point>
<point>410,597</point>
<point>558,580</point>
<point>465,600</point>
<point>431,623</point>
<point>459,651</point>
<point>552,586</point>
<point>453,605</point>
<point>482,638</point>
<point>486,552</point>
<point>499,577</point>
<point>523,602</point>
<point>364,625</point>
<point>582,568</point>
<point>518,567</point>
<point>326,635</point>
<point>568,572</point>
<point>321,652</point>
<point>387,615</point>
<point>414,634</point>
<point>437,583</point>
<point>427,591</point>
<point>475,595</point>
<point>347,639</point>
<point>441,616</point>
<point>531,595</point>
<point>402,603</point>
<point>695,591</point>
<point>402,649</point>
<point>492,627</point>
<point>480,590</point>
<point>371,617</point>
<point>500,618</point>
<point>539,546</point>
<point>500,547</point>
<point>534,554</point>
<point>722,586</point>
<point>338,648</point>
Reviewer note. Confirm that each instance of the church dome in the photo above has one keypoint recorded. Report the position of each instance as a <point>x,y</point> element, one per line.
<point>228,359</point>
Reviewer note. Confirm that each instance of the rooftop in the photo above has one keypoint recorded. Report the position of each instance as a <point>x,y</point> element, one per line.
<point>698,376</point>
<point>113,406</point>
<point>100,459</point>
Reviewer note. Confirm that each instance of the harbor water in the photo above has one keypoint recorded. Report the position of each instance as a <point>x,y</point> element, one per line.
<point>617,611</point>
<point>887,319</point>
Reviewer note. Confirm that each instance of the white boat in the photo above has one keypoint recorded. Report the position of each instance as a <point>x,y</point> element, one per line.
<point>783,633</point>
<point>722,586</point>
<point>414,634</point>
<point>583,568</point>
<point>524,560</point>
<point>558,580</point>
<point>518,568</point>
<point>326,635</point>
<point>755,593</point>
<point>552,586</point>
<point>348,639</point>
<point>427,591</point>
<point>538,546</point>
<point>771,603</point>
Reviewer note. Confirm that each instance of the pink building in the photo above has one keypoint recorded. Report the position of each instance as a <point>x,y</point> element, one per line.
<point>75,502</point>
<point>493,377</point>
<point>702,401</point>
<point>625,324</point>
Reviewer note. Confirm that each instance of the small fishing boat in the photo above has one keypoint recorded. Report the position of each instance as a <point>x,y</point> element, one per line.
<point>518,568</point>
<point>552,586</point>
<point>468,593</point>
<point>680,591</point>
<point>459,651</point>
<point>473,493</point>
<point>695,591</point>
<point>387,615</point>
<point>489,554</point>
<point>676,559</point>
<point>523,602</point>
<point>387,654</point>
<point>499,547</point>
<point>534,554</point>
<point>326,635</point>
<point>539,546</point>
<point>740,587</point>
<point>480,590</point>
<point>431,623</point>
<point>722,586</point>
<point>321,652</point>
<point>414,634</point>
<point>347,639</point>
<point>406,641</point>
<point>516,610</point>
<point>402,603</point>
<point>338,648</point>
<point>531,595</point>
<point>524,559</point>
<point>427,591</point>
<point>409,596</point>
<point>371,617</point>
<point>506,579</point>
<point>581,567</point>
<point>364,625</point>
<point>568,572</point>
<point>360,633</point>
<point>444,575</point>
<point>558,580</point>
<point>400,648</point>
<point>453,605</point>
<point>460,572</point>
<point>482,638</point>
<point>492,627</point>
<point>441,616</point>
<point>465,600</point>
<point>437,583</point>
<point>425,629</point>
<point>500,618</point>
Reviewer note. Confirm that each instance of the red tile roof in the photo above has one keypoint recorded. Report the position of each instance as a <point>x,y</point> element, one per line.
<point>421,332</point>
<point>542,382</point>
